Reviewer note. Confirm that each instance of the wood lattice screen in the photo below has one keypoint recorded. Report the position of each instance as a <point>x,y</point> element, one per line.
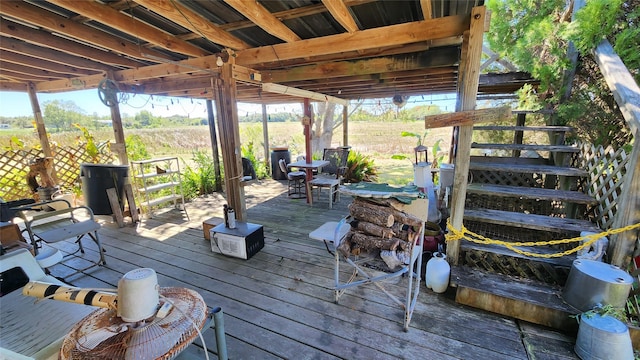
<point>14,166</point>
<point>606,168</point>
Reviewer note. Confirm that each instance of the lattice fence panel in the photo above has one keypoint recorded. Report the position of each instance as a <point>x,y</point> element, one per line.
<point>516,267</point>
<point>506,178</point>
<point>14,167</point>
<point>607,168</point>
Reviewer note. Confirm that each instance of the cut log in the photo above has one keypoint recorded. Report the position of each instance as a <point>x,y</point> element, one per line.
<point>398,216</point>
<point>400,231</point>
<point>373,229</point>
<point>407,219</point>
<point>372,215</point>
<point>369,242</point>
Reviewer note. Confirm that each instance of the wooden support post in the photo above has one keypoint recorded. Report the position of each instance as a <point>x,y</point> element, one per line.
<point>228,125</point>
<point>518,134</point>
<point>469,77</point>
<point>308,125</point>
<point>118,131</point>
<point>265,135</point>
<point>214,145</point>
<point>345,125</point>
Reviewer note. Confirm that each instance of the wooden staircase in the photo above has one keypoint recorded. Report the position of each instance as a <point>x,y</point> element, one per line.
<point>514,198</point>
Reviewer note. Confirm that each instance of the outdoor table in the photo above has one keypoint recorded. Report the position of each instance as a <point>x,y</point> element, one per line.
<point>308,168</point>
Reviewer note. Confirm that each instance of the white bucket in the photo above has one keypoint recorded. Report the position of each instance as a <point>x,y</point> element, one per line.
<point>138,295</point>
<point>603,337</point>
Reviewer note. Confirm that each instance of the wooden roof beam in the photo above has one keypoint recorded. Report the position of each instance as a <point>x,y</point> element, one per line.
<point>12,86</point>
<point>187,18</point>
<point>288,90</point>
<point>399,34</point>
<point>437,57</point>
<point>340,12</point>
<point>42,38</point>
<point>261,17</point>
<point>393,35</point>
<point>59,24</point>
<point>117,20</point>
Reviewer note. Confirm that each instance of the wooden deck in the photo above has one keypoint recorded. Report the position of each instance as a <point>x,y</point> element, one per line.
<point>279,304</point>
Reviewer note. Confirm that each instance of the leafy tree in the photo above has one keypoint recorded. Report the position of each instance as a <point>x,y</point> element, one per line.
<point>535,35</point>
<point>61,114</point>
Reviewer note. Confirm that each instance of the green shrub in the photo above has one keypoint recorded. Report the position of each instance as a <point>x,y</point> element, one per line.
<point>136,148</point>
<point>360,168</point>
<point>200,179</point>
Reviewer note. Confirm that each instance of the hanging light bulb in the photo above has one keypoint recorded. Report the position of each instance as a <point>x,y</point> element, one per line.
<point>219,61</point>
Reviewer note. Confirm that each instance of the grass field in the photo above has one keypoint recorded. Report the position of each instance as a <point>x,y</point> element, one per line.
<point>378,140</point>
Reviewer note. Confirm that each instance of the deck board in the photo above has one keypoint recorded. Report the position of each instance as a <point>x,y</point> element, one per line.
<point>279,303</point>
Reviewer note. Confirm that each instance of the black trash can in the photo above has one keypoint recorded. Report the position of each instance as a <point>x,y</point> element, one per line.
<point>96,179</point>
<point>276,155</point>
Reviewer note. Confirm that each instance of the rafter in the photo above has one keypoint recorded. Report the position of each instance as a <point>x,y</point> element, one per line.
<point>340,12</point>
<point>58,24</point>
<point>264,19</point>
<point>21,47</point>
<point>8,56</point>
<point>28,70</point>
<point>425,5</point>
<point>42,38</point>
<point>195,22</point>
<point>115,19</point>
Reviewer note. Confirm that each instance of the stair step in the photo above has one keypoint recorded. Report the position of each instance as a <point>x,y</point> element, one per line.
<point>564,261</point>
<point>518,298</point>
<point>525,168</point>
<point>529,147</point>
<point>529,221</point>
<point>525,128</point>
<point>576,197</point>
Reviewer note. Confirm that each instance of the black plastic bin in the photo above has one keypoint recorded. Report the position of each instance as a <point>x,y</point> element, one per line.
<point>96,179</point>
<point>276,155</point>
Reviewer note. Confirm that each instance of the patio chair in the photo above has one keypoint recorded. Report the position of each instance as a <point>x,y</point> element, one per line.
<point>295,180</point>
<point>332,175</point>
<point>64,223</point>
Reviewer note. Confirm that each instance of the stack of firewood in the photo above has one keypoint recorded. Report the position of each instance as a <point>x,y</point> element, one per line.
<point>378,225</point>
